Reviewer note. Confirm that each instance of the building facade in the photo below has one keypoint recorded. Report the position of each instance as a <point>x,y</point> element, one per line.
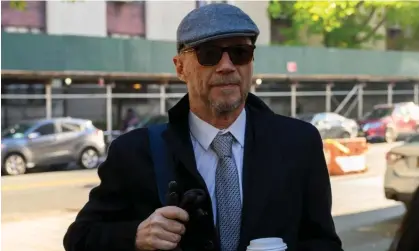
<point>92,35</point>
<point>154,20</point>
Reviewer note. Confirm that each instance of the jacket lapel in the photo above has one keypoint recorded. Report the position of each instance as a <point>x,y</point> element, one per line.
<point>179,141</point>
<point>256,176</point>
<point>183,154</point>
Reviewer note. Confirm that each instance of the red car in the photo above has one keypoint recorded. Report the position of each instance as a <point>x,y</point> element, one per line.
<point>388,122</point>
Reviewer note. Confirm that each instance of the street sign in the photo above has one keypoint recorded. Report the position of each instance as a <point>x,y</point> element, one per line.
<point>291,66</point>
<point>101,82</point>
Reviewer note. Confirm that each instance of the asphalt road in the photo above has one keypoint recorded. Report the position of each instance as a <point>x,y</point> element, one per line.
<point>365,220</point>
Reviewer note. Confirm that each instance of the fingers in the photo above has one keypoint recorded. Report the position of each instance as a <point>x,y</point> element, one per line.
<point>162,234</point>
<point>173,226</point>
<point>173,213</point>
<point>158,244</point>
<point>160,222</point>
<point>162,230</point>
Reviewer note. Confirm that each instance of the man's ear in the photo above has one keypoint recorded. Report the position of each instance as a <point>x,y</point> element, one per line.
<point>177,60</point>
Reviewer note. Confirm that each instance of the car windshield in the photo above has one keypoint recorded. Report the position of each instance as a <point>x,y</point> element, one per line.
<point>16,131</point>
<point>379,113</point>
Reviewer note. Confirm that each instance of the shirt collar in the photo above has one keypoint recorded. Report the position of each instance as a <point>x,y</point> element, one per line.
<point>205,133</point>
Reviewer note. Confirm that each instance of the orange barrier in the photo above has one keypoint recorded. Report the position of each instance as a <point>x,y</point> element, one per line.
<point>345,156</point>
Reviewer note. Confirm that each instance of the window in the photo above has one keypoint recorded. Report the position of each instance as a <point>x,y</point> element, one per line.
<point>306,117</point>
<point>16,131</point>
<point>46,129</point>
<point>200,3</point>
<point>13,29</point>
<point>413,139</point>
<point>125,19</point>
<point>334,117</point>
<point>117,35</point>
<point>319,117</point>
<point>401,111</point>
<point>70,127</point>
<point>22,87</point>
<point>379,113</point>
<point>31,19</point>
<point>414,111</point>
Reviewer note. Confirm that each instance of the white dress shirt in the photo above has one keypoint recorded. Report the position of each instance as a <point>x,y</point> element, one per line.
<point>202,135</point>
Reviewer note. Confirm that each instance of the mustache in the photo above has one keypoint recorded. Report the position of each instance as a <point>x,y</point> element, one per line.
<point>222,80</point>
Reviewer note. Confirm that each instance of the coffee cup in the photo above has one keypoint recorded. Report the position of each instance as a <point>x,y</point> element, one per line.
<point>267,244</point>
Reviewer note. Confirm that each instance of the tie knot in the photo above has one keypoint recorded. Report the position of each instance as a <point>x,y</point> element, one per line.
<point>222,144</point>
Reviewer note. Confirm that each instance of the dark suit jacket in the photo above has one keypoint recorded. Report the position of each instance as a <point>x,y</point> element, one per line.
<point>286,187</point>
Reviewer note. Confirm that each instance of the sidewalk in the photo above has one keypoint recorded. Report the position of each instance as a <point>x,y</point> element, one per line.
<point>364,219</point>
<point>359,232</point>
<point>38,234</point>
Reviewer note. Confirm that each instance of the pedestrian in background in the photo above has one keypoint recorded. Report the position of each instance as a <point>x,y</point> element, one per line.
<point>130,121</point>
<point>264,175</point>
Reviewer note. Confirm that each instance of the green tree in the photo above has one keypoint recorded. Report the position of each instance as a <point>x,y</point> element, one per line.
<point>21,5</point>
<point>346,24</point>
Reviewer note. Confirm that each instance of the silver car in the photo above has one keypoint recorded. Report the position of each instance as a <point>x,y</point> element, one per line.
<point>332,125</point>
<point>49,142</point>
<point>402,173</point>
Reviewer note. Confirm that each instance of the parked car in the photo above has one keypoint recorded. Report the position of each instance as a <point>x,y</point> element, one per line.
<point>50,141</point>
<point>402,173</point>
<point>389,122</point>
<point>332,125</point>
<point>152,120</point>
<point>157,119</point>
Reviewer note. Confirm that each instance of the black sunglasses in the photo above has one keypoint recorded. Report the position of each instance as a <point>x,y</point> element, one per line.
<point>210,55</point>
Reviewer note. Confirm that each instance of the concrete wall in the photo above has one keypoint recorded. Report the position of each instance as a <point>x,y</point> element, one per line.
<point>163,18</point>
<point>76,18</point>
<point>257,10</point>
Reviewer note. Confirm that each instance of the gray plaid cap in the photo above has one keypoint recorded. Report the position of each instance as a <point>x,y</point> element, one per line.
<point>214,21</point>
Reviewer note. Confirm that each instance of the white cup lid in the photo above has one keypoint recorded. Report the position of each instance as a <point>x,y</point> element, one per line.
<point>271,243</point>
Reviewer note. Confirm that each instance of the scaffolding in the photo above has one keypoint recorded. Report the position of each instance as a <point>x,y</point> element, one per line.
<point>356,94</point>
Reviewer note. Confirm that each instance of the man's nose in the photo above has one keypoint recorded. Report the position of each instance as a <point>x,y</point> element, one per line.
<point>225,65</point>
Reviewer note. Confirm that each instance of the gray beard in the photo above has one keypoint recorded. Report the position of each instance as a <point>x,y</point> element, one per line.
<point>224,108</point>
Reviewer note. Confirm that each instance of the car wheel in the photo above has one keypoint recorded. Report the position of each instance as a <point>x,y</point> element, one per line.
<point>89,158</point>
<point>390,135</point>
<point>14,164</point>
<point>345,135</point>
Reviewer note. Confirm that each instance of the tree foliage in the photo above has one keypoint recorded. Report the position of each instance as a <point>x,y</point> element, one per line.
<point>21,5</point>
<point>347,24</point>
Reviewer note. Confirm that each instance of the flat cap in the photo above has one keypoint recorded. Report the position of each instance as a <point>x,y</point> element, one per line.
<point>214,21</point>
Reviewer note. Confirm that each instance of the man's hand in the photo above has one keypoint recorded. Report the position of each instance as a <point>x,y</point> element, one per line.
<point>162,230</point>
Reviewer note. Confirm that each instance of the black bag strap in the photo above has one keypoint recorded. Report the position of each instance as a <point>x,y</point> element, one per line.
<point>164,174</point>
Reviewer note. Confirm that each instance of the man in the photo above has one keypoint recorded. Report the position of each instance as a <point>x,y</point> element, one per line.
<point>264,174</point>
<point>130,121</point>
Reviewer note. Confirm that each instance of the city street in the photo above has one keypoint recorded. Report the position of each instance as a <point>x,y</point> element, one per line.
<point>37,208</point>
